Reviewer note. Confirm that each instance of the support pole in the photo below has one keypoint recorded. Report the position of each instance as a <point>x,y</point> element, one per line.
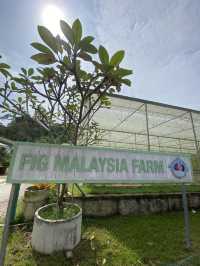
<point>135,141</point>
<point>14,206</point>
<point>159,143</point>
<point>186,217</point>
<point>180,146</point>
<point>194,132</point>
<point>9,215</point>
<point>147,127</point>
<point>195,138</point>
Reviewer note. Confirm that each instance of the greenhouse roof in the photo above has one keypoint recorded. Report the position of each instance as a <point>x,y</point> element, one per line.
<point>137,124</point>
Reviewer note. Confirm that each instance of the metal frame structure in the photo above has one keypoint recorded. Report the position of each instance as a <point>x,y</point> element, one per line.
<point>146,125</point>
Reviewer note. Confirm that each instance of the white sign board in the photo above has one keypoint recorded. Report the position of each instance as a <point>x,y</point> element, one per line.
<point>36,163</point>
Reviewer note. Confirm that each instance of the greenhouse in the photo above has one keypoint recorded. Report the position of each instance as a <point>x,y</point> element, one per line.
<point>138,124</point>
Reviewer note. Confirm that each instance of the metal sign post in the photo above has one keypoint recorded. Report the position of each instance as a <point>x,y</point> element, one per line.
<point>9,217</point>
<point>186,217</point>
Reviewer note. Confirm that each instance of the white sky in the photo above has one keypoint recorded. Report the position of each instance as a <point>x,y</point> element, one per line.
<point>162,41</point>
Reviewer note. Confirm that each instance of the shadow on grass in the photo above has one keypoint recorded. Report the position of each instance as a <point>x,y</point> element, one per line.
<point>20,252</point>
<point>83,255</point>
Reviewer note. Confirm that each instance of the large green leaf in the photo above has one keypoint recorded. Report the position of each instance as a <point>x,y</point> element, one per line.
<point>38,78</point>
<point>77,30</point>
<point>24,71</point>
<point>126,81</point>
<point>40,47</point>
<point>107,69</point>
<point>123,72</point>
<point>85,56</point>
<point>20,81</point>
<point>30,71</point>
<point>90,49</point>
<point>67,48</point>
<point>59,44</point>
<point>3,65</point>
<point>4,72</point>
<point>49,72</point>
<point>66,61</point>
<point>103,55</point>
<point>67,31</point>
<point>48,38</point>
<point>105,101</point>
<point>83,75</point>
<point>117,58</point>
<point>87,39</point>
<point>13,86</point>
<point>44,59</point>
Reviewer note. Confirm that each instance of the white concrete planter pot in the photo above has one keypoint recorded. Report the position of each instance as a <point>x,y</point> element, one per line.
<point>49,236</point>
<point>33,199</point>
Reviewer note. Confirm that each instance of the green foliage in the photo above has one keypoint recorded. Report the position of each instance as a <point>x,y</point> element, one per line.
<point>52,213</point>
<point>2,65</point>
<point>126,81</point>
<point>99,189</point>
<point>78,47</point>
<point>59,93</point>
<point>48,38</point>
<point>117,58</point>
<point>77,30</point>
<point>89,48</point>
<point>30,71</point>
<point>85,56</point>
<point>4,157</point>
<point>23,129</point>
<point>4,69</point>
<point>40,47</point>
<point>85,41</point>
<point>64,93</point>
<point>103,55</point>
<point>44,59</point>
<point>67,31</point>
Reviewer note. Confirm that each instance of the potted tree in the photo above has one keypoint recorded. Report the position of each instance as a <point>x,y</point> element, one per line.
<point>72,84</point>
<point>57,228</point>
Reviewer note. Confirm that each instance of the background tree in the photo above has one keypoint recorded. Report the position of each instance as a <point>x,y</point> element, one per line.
<point>70,86</point>
<point>23,129</point>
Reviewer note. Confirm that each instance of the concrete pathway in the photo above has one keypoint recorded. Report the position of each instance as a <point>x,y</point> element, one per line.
<point>5,193</point>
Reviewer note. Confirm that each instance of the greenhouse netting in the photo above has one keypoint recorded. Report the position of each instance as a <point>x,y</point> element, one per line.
<point>137,124</point>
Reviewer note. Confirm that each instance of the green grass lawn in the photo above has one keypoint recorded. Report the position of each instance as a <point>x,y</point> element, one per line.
<point>145,188</point>
<point>118,241</point>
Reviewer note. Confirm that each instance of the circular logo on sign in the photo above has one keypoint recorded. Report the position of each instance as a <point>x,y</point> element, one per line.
<point>178,168</point>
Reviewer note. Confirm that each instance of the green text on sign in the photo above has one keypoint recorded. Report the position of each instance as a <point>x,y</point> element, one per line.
<point>58,163</point>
